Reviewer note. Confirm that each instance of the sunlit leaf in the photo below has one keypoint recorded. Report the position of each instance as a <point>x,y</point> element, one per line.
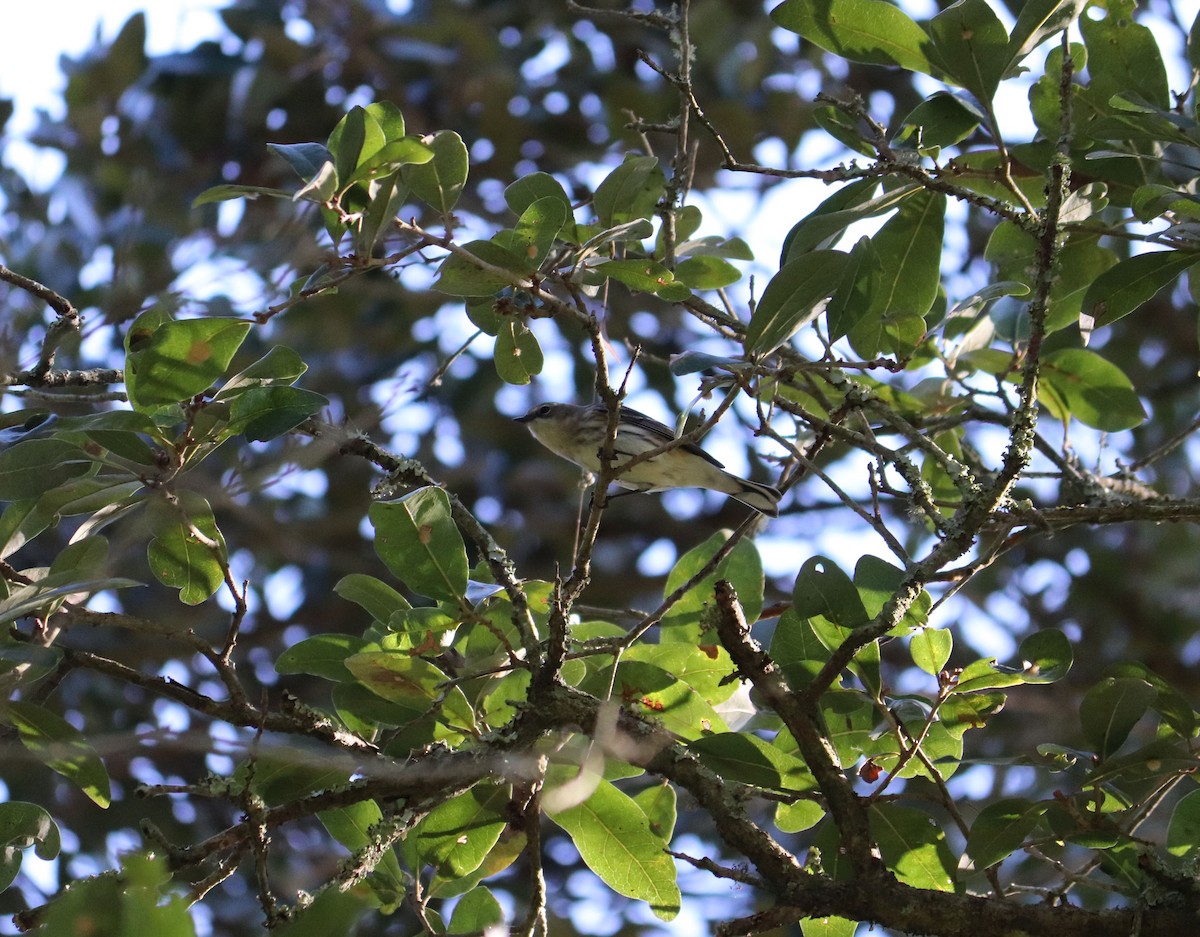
<point>1079,383</point>
<point>418,541</point>
<point>439,181</point>
<point>615,840</point>
<point>871,31</point>
<point>60,746</point>
<point>187,550</point>
<point>1001,829</point>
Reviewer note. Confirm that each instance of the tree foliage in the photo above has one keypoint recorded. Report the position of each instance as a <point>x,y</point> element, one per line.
<point>275,561</point>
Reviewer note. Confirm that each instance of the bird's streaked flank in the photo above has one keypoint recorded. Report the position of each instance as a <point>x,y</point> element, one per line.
<point>577,433</point>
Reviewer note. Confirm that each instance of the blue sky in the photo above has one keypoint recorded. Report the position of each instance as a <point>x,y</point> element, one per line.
<point>40,34</point>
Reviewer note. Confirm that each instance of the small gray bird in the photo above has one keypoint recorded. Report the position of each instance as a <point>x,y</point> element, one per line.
<point>577,433</point>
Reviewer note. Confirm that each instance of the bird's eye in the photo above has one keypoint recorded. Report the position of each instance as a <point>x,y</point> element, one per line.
<point>544,410</point>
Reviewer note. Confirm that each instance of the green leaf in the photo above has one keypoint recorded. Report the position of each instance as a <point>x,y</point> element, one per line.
<point>1193,43</point>
<point>877,580</point>
<point>351,826</point>
<point>81,558</point>
<point>1001,829</point>
<point>530,188</point>
<point>706,273</point>
<point>1171,704</point>
<point>615,841</point>
<point>829,220</point>
<point>179,558</point>
<point>1149,764</point>
<point>90,495</point>
<point>374,596</point>
<point>352,138</point>
<point>1121,289</point>
<point>1111,709</point>
<point>133,900</point>
<point>412,682</point>
<point>799,816</point>
<point>909,245</point>
<point>420,623</point>
<point>1046,656</point>
<point>1036,22</point>
<point>1079,383</point>
<point>984,674</point>
<point>23,825</point>
<point>821,588</point>
<point>1123,58</point>
<point>856,298</point>
<point>830,926</point>
<point>322,655</point>
<point>264,413</point>
<point>913,847</point>
<point>706,669</point>
<point>660,695</point>
<point>538,228</point>
<point>930,648</point>
<point>305,158</point>
<point>27,663</point>
<point>870,31</point>
<point>458,834</point>
<point>223,193</point>
<point>389,160</point>
<point>743,569</point>
<point>845,128</point>
<point>520,195</point>
<point>797,650</point>
<point>34,466</point>
<point>59,746</point>
<point>1183,832</point>
<point>386,197</point>
<point>363,712</point>
<point>1153,201</point>
<point>793,298</point>
<point>517,354</point>
<point>646,276</point>
<point>510,848</point>
<point>439,182</point>
<point>321,189</point>
<point>332,911</point>
<point>629,192</point>
<point>1081,263</point>
<point>944,119</point>
<point>658,804</point>
<point>279,367</point>
<point>969,711</point>
<point>971,43</point>
<point>389,118</point>
<point>740,756</point>
<point>477,912</point>
<point>481,268</point>
<point>417,540</point>
<point>483,315</point>
<point>37,597</point>
<point>169,361</point>
<point>688,219</point>
<point>714,245</point>
<point>690,362</point>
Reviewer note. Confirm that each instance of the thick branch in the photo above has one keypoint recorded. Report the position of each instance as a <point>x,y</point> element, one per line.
<point>803,719</point>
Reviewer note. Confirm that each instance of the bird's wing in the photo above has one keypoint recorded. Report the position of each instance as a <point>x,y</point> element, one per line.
<point>664,434</point>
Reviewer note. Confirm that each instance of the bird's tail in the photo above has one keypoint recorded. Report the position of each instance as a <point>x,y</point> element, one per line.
<point>763,498</point>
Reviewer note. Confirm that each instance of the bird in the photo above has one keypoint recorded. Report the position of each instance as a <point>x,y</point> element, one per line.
<point>578,432</point>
